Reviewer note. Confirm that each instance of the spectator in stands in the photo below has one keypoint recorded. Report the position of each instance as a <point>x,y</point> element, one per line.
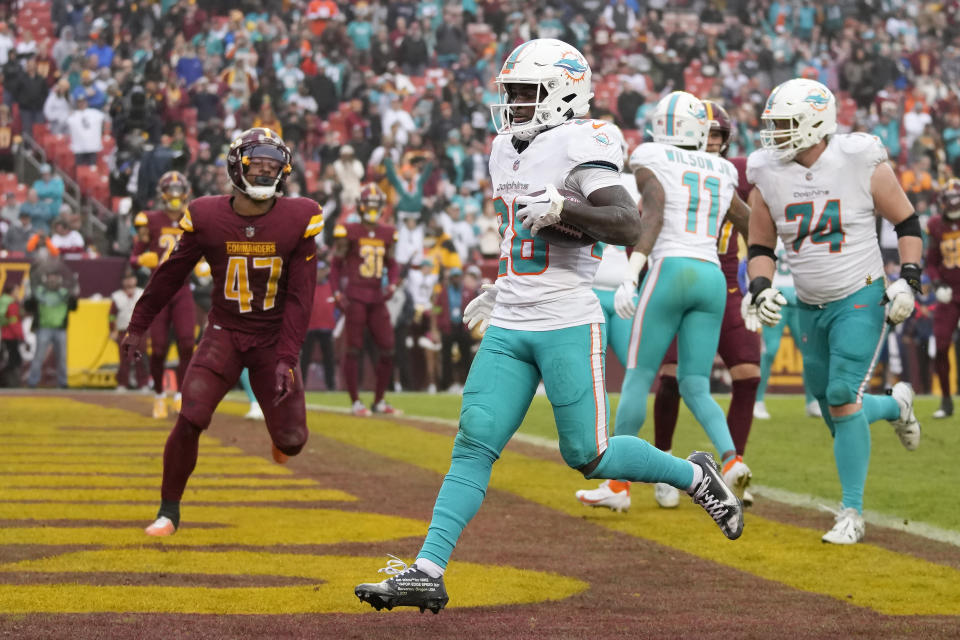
<point>9,135</point>
<point>6,42</point>
<point>10,209</point>
<point>11,336</point>
<point>122,302</point>
<point>888,130</point>
<point>32,90</point>
<point>409,183</point>
<point>320,330</point>
<point>50,303</point>
<point>620,18</point>
<point>94,97</point>
<point>412,53</point>
<point>49,188</point>
<point>38,211</point>
<point>85,125</point>
<point>57,108</point>
<point>64,48</point>
<point>420,286</point>
<point>456,351</point>
<point>349,172</point>
<point>914,122</point>
<point>916,179</point>
<point>18,234</point>
<point>69,242</point>
<point>409,237</point>
<point>488,237</point>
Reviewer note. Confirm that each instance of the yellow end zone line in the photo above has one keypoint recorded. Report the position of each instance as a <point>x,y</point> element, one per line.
<point>864,575</point>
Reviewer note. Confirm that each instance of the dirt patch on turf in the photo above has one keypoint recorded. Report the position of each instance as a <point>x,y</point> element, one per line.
<point>638,589</point>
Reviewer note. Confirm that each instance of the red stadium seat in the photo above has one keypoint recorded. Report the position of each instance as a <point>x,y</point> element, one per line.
<point>21,192</point>
<point>8,182</point>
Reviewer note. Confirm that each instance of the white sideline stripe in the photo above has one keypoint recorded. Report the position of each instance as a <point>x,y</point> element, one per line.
<point>917,528</point>
<point>806,501</point>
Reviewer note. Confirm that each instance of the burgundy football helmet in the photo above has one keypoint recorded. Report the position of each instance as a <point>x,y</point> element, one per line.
<point>371,203</point>
<point>173,189</point>
<point>719,121</point>
<point>258,142</point>
<point>948,200</point>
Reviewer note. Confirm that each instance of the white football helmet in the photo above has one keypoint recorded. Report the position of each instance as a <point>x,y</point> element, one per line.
<point>799,113</point>
<point>680,119</point>
<point>562,76</point>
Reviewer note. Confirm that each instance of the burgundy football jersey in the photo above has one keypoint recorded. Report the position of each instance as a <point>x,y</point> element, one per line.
<point>163,233</point>
<point>263,267</point>
<point>369,257</point>
<point>728,240</point>
<point>943,252</point>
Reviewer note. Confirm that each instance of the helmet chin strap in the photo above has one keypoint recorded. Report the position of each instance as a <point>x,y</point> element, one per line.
<point>260,191</point>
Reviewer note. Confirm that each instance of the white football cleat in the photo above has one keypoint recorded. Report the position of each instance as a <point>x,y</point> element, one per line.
<point>359,409</point>
<point>162,527</point>
<point>747,499</point>
<point>737,475</point>
<point>667,496</point>
<point>613,494</point>
<point>255,412</point>
<point>848,529</point>
<point>907,426</point>
<point>760,410</point>
<point>813,409</point>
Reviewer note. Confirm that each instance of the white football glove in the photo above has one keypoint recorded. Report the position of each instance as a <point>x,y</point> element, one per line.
<point>768,304</point>
<point>749,312</point>
<point>899,300</point>
<point>944,294</point>
<point>537,212</point>
<point>479,309</point>
<point>625,299</point>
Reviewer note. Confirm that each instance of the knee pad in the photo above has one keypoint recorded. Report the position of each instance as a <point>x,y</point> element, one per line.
<point>198,405</point>
<point>839,394</point>
<point>693,386</point>
<point>476,422</point>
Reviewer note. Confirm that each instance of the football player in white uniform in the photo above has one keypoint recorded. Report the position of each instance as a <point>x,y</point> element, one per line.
<point>820,193</point>
<point>544,321</point>
<point>686,195</point>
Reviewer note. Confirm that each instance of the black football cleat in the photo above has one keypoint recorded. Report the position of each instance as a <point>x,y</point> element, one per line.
<point>716,498</point>
<point>408,587</point>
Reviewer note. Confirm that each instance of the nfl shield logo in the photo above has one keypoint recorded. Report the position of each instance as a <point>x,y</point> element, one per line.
<point>516,164</point>
<point>250,231</point>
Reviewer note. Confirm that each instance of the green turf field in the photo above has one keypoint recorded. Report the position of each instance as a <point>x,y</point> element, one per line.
<point>789,451</point>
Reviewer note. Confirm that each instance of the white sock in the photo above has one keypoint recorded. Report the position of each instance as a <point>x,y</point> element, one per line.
<point>177,396</point>
<point>161,396</point>
<point>429,567</point>
<point>697,477</point>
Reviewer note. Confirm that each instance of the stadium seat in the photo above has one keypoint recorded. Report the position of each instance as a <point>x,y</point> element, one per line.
<point>20,190</point>
<point>311,176</point>
<point>8,182</point>
<point>86,176</point>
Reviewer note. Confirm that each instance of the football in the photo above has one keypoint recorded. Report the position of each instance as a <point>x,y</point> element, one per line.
<point>564,234</point>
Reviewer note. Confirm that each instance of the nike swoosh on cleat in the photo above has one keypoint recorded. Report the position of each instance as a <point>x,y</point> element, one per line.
<point>309,258</point>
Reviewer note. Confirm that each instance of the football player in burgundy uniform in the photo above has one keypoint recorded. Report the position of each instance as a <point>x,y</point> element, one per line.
<point>363,257</point>
<point>157,235</point>
<point>261,250</point>
<point>739,348</point>
<point>943,267</point>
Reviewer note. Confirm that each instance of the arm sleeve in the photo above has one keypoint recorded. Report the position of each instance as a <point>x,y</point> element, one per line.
<point>587,179</point>
<point>301,284</point>
<point>165,282</point>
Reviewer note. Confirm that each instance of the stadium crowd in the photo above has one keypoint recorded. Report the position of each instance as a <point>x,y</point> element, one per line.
<point>397,93</point>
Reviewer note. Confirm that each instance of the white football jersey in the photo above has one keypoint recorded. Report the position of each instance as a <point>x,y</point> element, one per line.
<point>542,286</point>
<point>698,188</point>
<point>825,215</point>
